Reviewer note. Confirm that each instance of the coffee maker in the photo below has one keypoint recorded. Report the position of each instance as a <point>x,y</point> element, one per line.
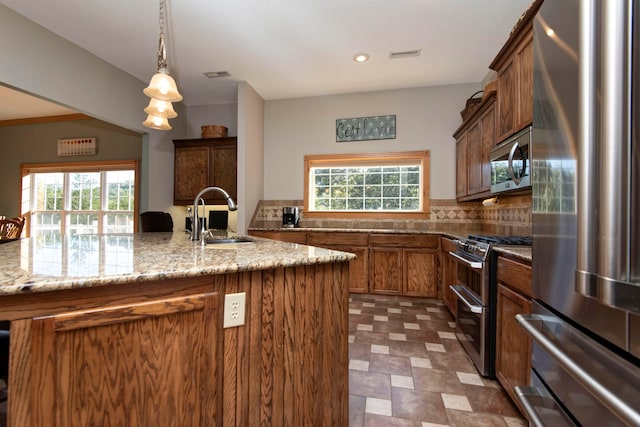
<point>290,216</point>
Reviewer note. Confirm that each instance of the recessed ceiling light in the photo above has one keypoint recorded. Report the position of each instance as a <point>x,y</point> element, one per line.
<point>216,74</point>
<point>361,57</point>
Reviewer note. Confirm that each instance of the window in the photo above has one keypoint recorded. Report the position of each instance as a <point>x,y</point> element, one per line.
<point>80,198</point>
<point>389,185</point>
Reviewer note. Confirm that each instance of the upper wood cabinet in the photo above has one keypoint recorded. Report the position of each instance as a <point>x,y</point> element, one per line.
<point>514,66</point>
<point>474,140</point>
<point>204,162</point>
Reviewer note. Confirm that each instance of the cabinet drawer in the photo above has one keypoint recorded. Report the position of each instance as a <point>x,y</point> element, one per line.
<point>321,238</point>
<point>404,240</point>
<point>447,245</point>
<point>515,275</point>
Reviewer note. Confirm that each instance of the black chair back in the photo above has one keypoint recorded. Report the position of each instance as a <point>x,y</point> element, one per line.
<point>155,221</point>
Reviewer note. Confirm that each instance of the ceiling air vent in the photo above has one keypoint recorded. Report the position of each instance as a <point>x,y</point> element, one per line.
<point>216,74</point>
<point>404,54</point>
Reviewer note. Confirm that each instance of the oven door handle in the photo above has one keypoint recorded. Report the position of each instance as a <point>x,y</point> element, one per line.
<point>459,290</point>
<point>545,330</point>
<point>528,396</point>
<point>473,264</point>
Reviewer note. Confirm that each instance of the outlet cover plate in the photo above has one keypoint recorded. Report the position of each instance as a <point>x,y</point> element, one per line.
<point>234,309</point>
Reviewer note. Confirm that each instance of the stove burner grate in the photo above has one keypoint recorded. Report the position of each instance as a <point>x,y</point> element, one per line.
<point>502,240</point>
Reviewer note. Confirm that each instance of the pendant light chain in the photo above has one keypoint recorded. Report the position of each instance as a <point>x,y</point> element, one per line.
<point>162,50</point>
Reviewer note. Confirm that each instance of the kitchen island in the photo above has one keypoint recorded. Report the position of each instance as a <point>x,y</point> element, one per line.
<point>128,330</point>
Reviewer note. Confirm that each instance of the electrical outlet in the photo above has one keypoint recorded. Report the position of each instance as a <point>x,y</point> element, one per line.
<point>234,309</point>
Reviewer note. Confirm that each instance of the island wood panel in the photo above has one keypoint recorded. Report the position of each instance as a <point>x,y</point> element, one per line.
<point>98,366</point>
<point>288,365</point>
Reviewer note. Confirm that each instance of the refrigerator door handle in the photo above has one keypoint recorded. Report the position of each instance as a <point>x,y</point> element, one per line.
<point>587,166</point>
<point>551,333</point>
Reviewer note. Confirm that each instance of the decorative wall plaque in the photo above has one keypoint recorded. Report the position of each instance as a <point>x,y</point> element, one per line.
<point>366,128</point>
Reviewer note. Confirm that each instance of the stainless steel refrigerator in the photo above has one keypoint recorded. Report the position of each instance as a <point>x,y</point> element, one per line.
<point>585,326</point>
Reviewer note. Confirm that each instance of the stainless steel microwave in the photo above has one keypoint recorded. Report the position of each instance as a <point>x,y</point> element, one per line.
<point>511,163</point>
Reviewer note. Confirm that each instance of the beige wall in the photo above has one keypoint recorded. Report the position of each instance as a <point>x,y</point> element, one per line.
<point>250,153</point>
<point>38,144</point>
<point>426,119</point>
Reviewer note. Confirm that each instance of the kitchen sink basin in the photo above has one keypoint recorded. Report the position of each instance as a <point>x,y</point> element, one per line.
<point>215,241</point>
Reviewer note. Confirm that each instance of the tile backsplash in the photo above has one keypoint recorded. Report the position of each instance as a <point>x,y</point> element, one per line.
<point>512,216</point>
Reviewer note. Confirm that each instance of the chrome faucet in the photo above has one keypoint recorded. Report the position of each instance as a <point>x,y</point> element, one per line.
<point>195,224</point>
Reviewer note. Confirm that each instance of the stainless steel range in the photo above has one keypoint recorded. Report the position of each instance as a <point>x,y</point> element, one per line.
<point>476,290</point>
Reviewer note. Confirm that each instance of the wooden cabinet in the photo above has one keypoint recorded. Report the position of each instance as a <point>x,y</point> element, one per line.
<point>513,345</point>
<point>461,166</point>
<point>390,264</point>
<point>474,140</point>
<point>148,363</point>
<point>514,66</point>
<point>449,274</point>
<point>404,264</point>
<point>284,236</point>
<point>200,163</point>
<point>355,243</point>
<point>419,275</point>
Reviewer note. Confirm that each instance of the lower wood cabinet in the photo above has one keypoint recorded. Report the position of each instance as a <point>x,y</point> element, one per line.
<point>449,274</point>
<point>355,243</point>
<point>513,345</point>
<point>386,263</point>
<point>299,237</point>
<point>386,270</point>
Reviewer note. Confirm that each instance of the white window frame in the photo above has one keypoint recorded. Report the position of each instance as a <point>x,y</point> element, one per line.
<point>27,195</point>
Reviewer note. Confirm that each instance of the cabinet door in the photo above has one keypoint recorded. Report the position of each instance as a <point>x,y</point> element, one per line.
<point>449,274</point>
<point>386,270</point>
<point>474,158</point>
<point>525,83</point>
<point>223,173</point>
<point>190,174</point>
<point>152,363</point>
<point>420,278</point>
<point>488,123</point>
<point>461,166</point>
<point>507,102</point>
<point>513,346</point>
<point>358,268</point>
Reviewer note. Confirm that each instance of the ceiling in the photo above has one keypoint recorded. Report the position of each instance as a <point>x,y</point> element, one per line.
<point>286,48</point>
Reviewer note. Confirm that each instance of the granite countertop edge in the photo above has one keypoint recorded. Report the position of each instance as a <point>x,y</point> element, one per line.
<point>154,257</point>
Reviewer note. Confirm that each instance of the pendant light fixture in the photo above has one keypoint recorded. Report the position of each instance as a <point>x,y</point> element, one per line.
<point>162,88</point>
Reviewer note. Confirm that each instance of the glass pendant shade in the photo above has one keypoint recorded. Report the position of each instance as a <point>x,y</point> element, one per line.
<point>154,122</point>
<point>159,108</point>
<point>163,87</point>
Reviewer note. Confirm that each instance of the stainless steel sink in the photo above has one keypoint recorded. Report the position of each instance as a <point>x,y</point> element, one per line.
<point>214,241</point>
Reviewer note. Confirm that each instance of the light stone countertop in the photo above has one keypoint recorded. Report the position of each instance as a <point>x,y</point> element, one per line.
<point>522,253</point>
<point>67,262</point>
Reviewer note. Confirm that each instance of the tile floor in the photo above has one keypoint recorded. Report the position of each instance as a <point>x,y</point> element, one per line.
<point>406,368</point>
